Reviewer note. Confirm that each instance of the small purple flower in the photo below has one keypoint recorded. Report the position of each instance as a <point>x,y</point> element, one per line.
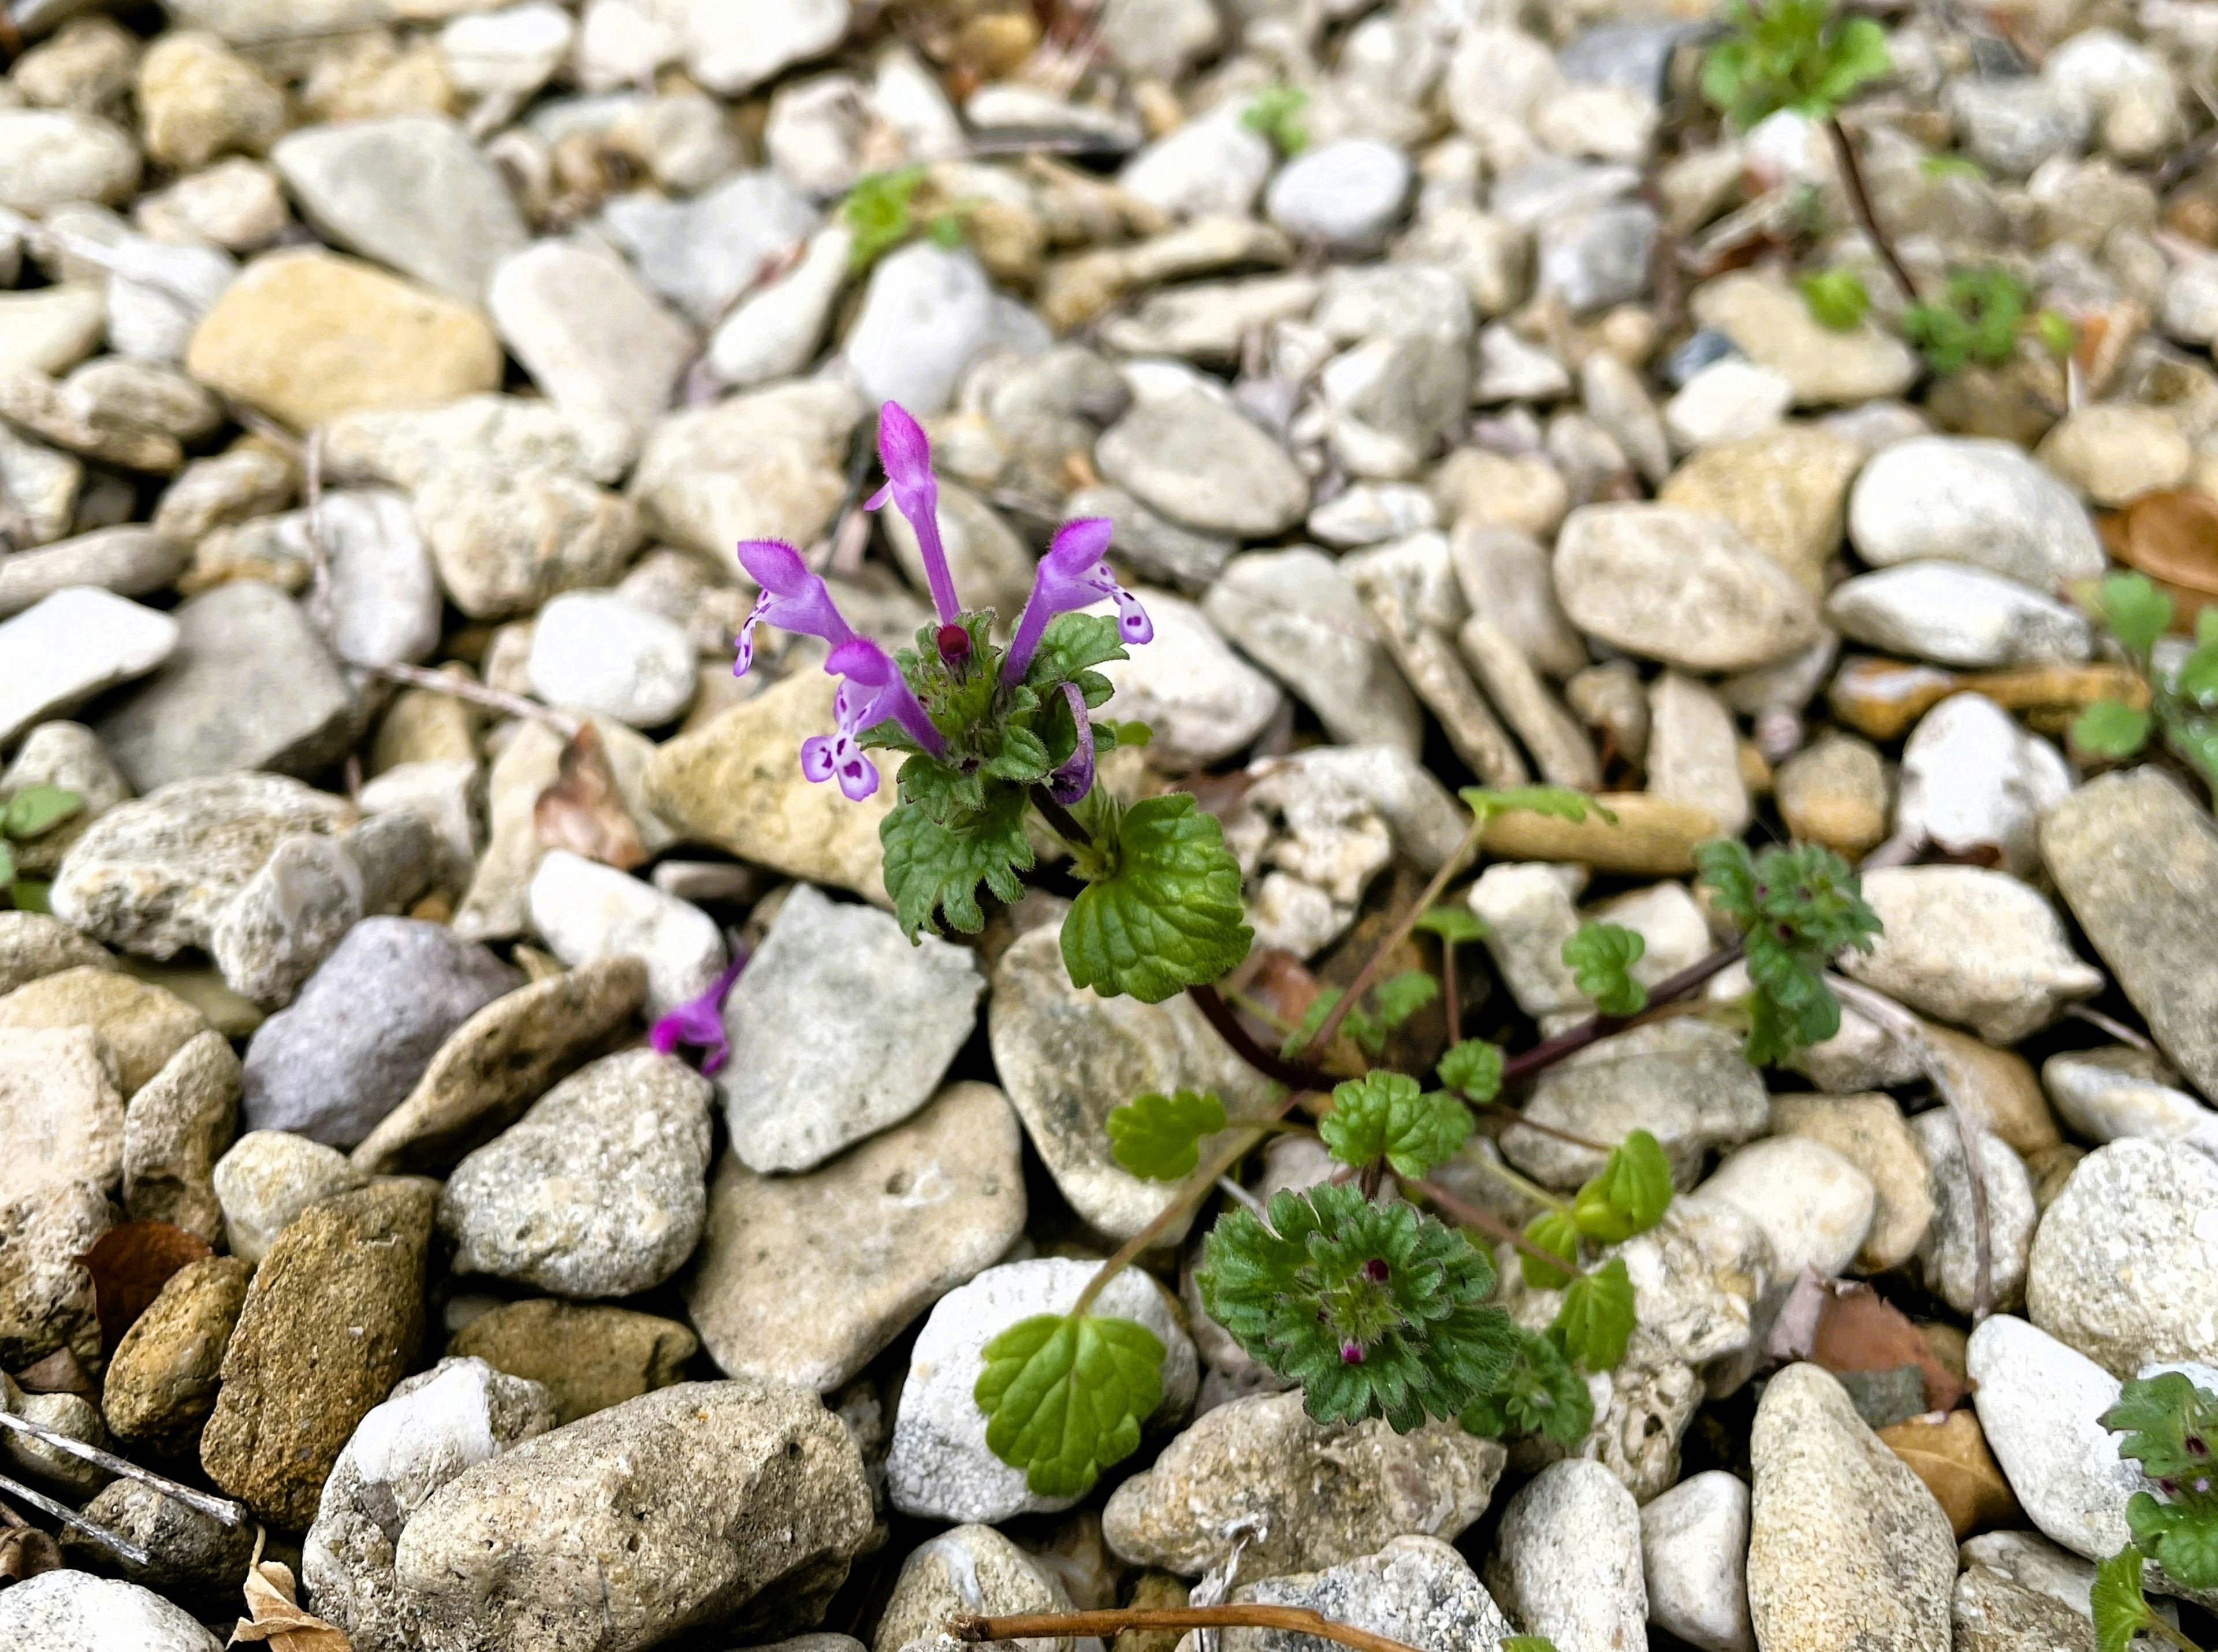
<point>873,690</point>
<point>915,491</point>
<point>792,598</point>
<point>699,1021</point>
<point>1351,1353</point>
<point>1071,576</point>
<point>1069,783</point>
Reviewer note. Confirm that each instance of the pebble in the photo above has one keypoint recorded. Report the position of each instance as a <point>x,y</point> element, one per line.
<point>940,1466</point>
<point>1594,259</point>
<point>2136,861</point>
<point>2040,1403</point>
<point>306,335</point>
<point>1772,325</point>
<point>971,1569</point>
<point>1834,792</point>
<point>385,597</point>
<point>1869,1131</point>
<point>406,447</point>
<point>359,1035</point>
<point>1845,1544</point>
<point>1567,1560</point>
<point>51,157</point>
<point>505,542</point>
<point>587,1356</point>
<point>1813,1204</point>
<point>51,329</point>
<point>584,911</point>
<point>2108,1094</point>
<point>334,1316</point>
<point>1203,702</point>
<point>658,1499</point>
<point>292,913</point>
<point>194,1559</point>
<point>597,1190</point>
<point>1507,580</point>
<point>2112,452</point>
<point>500,1060</point>
<point>1972,778</point>
<point>1693,751</point>
<point>1256,1476</point>
<point>64,1118</point>
<point>1346,194</point>
<point>2122,1267</point>
<point>766,465</point>
<point>46,1294</point>
<point>1786,489</point>
<point>198,100</point>
<point>1191,456</point>
<point>1694,1550</point>
<point>927,312</point>
<point>1976,501</point>
<point>1213,164</point>
<point>34,945</point>
<point>1415,1590</point>
<point>1993,1612</point>
<point>161,1384</point>
<point>177,1126</point>
<point>1953,615</point>
<point>1949,1257</point>
<point>1684,589</point>
<point>1558,741</point>
<point>76,1611</point>
<point>701,254</point>
<point>68,646</point>
<point>1683,1081</point>
<point>774,332</point>
<point>1976,947</point>
<point>804,1279</point>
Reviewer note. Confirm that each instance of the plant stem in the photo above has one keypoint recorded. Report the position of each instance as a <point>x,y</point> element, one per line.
<point>1115,1620</point>
<point>1509,1115</point>
<point>1065,824</point>
<point>1450,1000</point>
<point>1215,1010</point>
<point>1488,1223</point>
<point>1510,1179</point>
<point>462,688</point>
<point>1852,178</point>
<point>1665,993</point>
<point>2156,1624</point>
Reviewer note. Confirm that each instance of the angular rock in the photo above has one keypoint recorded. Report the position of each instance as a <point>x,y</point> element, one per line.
<point>161,1383</point>
<point>267,1178</point>
<point>70,646</point>
<point>1193,457</point>
<point>1949,1257</point>
<point>761,466</point>
<point>34,945</point>
<point>194,1559</point>
<point>1694,1550</point>
<point>2040,1403</point>
<point>293,912</point>
<point>506,540</point>
<point>1869,1131</point>
<point>61,1118</point>
<point>972,1568</point>
<point>177,1127</point>
<point>46,1294</point>
<point>587,1356</point>
<point>1954,615</point>
<point>1415,1590</point>
<point>589,332</point>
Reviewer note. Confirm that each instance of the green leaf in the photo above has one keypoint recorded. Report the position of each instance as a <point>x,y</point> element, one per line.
<point>1629,1194</point>
<point>942,790</point>
<point>1601,957</point>
<point>2136,612</point>
<point>2110,728</point>
<point>1539,1393</point>
<point>2196,738</point>
<point>2198,672</point>
<point>1159,1136</point>
<point>935,866</point>
<point>1528,1643</point>
<point>1597,1316</point>
<point>29,894</point>
<point>2169,1425</point>
<point>1489,802</point>
<point>1797,906</point>
<point>39,809</point>
<point>1474,1068</point>
<point>1554,1232</point>
<point>1791,55</point>
<point>1453,925</point>
<point>1167,916</point>
<point>2057,334</point>
<point>2181,1539</point>
<point>1388,1115</point>
<point>878,213</point>
<point>2120,1609</point>
<point>1071,645</point>
<point>1837,298</point>
<point>1064,1395</point>
<point>1273,114</point>
<point>1399,997</point>
<point>1725,866</point>
<point>1130,732</point>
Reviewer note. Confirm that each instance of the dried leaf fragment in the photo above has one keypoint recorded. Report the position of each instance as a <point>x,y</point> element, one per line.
<point>129,1265</point>
<point>582,811</point>
<point>279,1619</point>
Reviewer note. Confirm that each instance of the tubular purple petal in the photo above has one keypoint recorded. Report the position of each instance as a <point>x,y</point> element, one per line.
<point>793,598</point>
<point>699,1021</point>
<point>862,661</point>
<point>905,453</point>
<point>1071,576</point>
<point>1076,778</point>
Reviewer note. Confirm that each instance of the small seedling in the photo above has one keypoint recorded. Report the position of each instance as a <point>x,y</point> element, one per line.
<point>1979,317</point>
<point>2183,708</point>
<point>888,209</point>
<point>2169,1426</point>
<point>31,814</point>
<point>1837,298</point>
<point>1275,112</point>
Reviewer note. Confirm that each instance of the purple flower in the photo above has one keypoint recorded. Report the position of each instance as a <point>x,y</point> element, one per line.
<point>1071,576</point>
<point>699,1021</point>
<point>792,598</point>
<point>1070,782</point>
<point>915,491</point>
<point>872,691</point>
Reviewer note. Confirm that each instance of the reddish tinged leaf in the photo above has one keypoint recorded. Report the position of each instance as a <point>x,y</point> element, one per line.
<point>130,1264</point>
<point>2172,537</point>
<point>583,812</point>
<point>59,1373</point>
<point>1858,1330</point>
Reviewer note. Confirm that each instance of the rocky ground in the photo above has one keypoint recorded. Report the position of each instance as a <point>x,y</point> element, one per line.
<point>1442,366</point>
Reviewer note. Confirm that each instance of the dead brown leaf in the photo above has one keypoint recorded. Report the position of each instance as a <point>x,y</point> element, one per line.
<point>2172,537</point>
<point>1951,1455</point>
<point>59,1373</point>
<point>1845,1326</point>
<point>278,1619</point>
<point>129,1265</point>
<point>583,812</point>
<point>25,1551</point>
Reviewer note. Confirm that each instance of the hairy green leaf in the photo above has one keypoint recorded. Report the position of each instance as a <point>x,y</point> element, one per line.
<point>1399,997</point>
<point>2181,1537</point>
<point>1539,1393</point>
<point>1064,1395</point>
<point>1798,906</point>
<point>1389,1116</point>
<point>1977,318</point>
<point>2137,612</point>
<point>8,865</point>
<point>1167,916</point>
<point>1528,1643</point>
<point>935,866</point>
<point>1473,1067</point>
<point>1791,55</point>
<point>2120,1609</point>
<point>37,810</point>
<point>1159,1136</point>
<point>1601,957</point>
<point>1628,1195</point>
<point>1453,925</point>
<point>1554,1232</point>
<point>2110,728</point>
<point>1071,645</point>
<point>1596,1315</point>
<point>2169,1425</point>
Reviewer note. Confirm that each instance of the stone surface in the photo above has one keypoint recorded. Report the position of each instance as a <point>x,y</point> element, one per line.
<point>267,1178</point>
<point>506,540</point>
<point>61,1118</point>
<point>2039,1404</point>
<point>124,561</point>
<point>805,1278</point>
<point>1971,778</point>
<point>54,157</point>
<point>585,911</point>
<point>761,466</point>
<point>1845,1544</point>
<point>500,1060</point>
<point>940,1466</point>
<point>1567,1560</point>
<point>587,1357</point>
<point>1415,1590</point>
<point>1869,1131</point>
<point>194,1559</point>
<point>177,1126</point>
<point>34,945</point>
<point>734,1505</point>
<point>1949,1257</point>
<point>198,100</point>
<point>333,1318</point>
<point>1972,500</point>
<point>1194,458</point>
<point>46,1293</point>
<point>1769,321</point>
<point>70,646</point>
<point>352,1044</point>
<point>1955,614</point>
<point>1203,701</point>
<point>1786,489</point>
<point>161,1383</point>
<point>141,1025</point>
<point>1694,1548</point>
<point>2104,1094</point>
<point>970,1568</point>
<point>818,1075</point>
<point>1812,1203</point>
<point>2137,863</point>
<point>1684,589</point>
<point>76,1611</point>
<point>597,1190</point>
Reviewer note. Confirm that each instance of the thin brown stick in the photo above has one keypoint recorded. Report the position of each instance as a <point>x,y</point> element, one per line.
<point>1852,178</point>
<point>69,1517</point>
<point>1067,826</point>
<point>1116,1620</point>
<point>462,688</point>
<point>1451,1001</point>
<point>1222,1016</point>
<point>1487,1222</point>
<point>2110,1024</point>
<point>1665,993</point>
<point>320,550</point>
<point>1509,1115</point>
<point>1402,931</point>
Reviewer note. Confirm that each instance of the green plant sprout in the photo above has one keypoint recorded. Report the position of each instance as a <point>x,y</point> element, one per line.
<point>1980,317</point>
<point>2168,1424</point>
<point>31,814</point>
<point>882,211</point>
<point>2182,705</point>
<point>1274,113</point>
<point>1837,298</point>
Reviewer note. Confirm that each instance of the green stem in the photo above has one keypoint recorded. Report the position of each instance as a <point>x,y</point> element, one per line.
<point>1510,1179</point>
<point>2157,1623</point>
<point>1487,1222</point>
<point>1262,1012</point>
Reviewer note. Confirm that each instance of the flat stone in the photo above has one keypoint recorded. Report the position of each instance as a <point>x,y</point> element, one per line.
<point>1558,741</point>
<point>51,157</point>
<point>125,561</point>
<point>817,1077</point>
<point>1684,589</point>
<point>70,646</point>
<point>1293,1496</point>
<point>767,465</point>
<point>250,685</point>
<point>1295,613</point>
<point>505,542</point>
<point>405,447</point>
<point>1508,579</point>
<point>333,1318</point>
<point>589,332</point>
<point>774,332</point>
<point>500,1060</point>
<point>1976,501</point>
<point>46,1293</point>
<point>2039,1405</point>
<point>1811,1203</point>
<point>306,335</point>
<point>51,329</point>
<point>597,1190</point>
<point>1415,1590</point>
<point>600,652</point>
<point>2137,863</point>
<point>1193,457</point>
<point>267,1178</point>
<point>1694,751</point>
<point>1346,194</point>
<point>1846,1546</point>
<point>731,1505</point>
<point>1566,1560</point>
<point>365,185</point>
<point>1869,1131</point>
<point>587,1356</point>
<point>940,1466</point>
<point>1786,490</point>
<point>1954,615</point>
<point>1976,947</point>
<point>1769,319</point>
<point>76,1611</point>
<point>34,945</point>
<point>805,1278</point>
<point>177,1126</point>
<point>1694,1550</point>
<point>63,1116</point>
<point>360,1034</point>
<point>161,1383</point>
<point>2106,1094</point>
<point>928,311</point>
